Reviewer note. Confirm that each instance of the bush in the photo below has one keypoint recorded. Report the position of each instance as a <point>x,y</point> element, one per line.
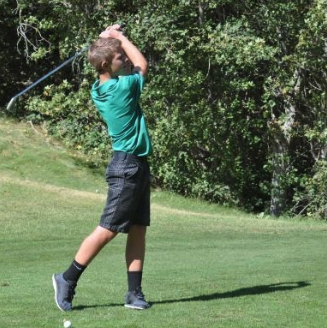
<point>312,199</point>
<point>72,117</point>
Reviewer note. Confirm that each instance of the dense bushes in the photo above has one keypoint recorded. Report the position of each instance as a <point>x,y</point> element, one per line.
<point>71,116</point>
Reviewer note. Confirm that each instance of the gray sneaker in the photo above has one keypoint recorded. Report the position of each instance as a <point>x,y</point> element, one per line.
<point>64,292</point>
<point>135,300</point>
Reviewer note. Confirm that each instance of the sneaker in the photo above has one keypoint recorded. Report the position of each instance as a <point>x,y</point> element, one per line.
<point>135,300</point>
<point>64,292</point>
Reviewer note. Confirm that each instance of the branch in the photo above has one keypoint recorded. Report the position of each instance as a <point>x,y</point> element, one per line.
<point>22,30</point>
<point>209,66</point>
<point>312,151</point>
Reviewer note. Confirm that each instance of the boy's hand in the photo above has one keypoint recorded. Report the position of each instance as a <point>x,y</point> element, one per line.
<point>113,31</point>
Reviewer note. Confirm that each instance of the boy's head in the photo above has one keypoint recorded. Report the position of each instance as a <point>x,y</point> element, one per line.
<point>102,52</point>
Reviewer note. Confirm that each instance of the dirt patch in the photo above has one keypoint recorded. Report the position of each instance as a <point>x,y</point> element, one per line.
<point>51,188</point>
<point>90,195</point>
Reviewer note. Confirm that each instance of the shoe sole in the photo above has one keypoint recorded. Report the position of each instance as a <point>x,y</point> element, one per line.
<point>54,283</point>
<point>129,306</point>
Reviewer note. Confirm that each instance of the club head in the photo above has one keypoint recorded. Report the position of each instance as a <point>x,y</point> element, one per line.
<point>11,104</point>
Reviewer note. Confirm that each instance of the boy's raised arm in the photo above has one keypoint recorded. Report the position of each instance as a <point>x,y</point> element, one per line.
<point>133,53</point>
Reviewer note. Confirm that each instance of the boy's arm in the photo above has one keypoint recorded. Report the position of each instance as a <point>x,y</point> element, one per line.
<point>133,53</point>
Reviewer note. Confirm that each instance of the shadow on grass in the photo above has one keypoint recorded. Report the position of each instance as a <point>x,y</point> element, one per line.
<point>256,290</point>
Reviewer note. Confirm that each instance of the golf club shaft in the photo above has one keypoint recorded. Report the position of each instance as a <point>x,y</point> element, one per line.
<point>13,99</point>
<point>122,25</point>
<point>51,72</point>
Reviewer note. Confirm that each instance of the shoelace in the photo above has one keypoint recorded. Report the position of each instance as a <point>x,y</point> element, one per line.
<point>139,295</point>
<point>71,292</point>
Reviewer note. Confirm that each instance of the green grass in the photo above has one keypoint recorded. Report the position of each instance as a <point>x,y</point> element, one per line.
<point>206,265</point>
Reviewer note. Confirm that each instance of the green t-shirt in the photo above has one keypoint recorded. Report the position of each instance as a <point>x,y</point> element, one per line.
<point>117,100</point>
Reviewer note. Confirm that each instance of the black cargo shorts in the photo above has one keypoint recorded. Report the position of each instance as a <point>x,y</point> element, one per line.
<point>128,199</point>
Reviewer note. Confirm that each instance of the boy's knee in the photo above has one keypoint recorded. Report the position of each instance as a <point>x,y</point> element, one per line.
<point>138,229</point>
<point>104,235</point>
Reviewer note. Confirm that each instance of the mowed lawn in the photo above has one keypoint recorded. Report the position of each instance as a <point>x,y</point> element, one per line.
<point>206,265</point>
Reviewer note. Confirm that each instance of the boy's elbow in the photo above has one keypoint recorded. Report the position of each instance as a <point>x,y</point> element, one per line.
<point>142,67</point>
<point>144,71</point>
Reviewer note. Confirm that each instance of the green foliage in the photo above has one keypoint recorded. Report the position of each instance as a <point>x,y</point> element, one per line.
<point>71,116</point>
<point>11,61</point>
<point>311,198</point>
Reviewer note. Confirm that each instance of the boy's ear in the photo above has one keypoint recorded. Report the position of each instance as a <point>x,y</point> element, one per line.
<point>104,65</point>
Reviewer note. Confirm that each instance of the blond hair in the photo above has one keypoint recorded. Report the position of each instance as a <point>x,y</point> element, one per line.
<point>102,50</point>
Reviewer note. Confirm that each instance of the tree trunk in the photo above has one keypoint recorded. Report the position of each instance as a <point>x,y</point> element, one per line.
<point>281,138</point>
<point>280,165</point>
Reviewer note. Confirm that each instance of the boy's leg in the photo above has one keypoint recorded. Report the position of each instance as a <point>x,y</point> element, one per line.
<point>93,244</point>
<point>65,283</point>
<point>135,248</point>
<point>135,252</point>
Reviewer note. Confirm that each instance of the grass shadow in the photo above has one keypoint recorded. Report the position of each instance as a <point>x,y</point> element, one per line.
<point>255,290</point>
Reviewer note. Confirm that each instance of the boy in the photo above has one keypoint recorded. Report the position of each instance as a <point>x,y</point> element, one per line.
<point>116,94</point>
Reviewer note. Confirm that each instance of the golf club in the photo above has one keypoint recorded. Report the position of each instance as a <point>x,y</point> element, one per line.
<point>13,100</point>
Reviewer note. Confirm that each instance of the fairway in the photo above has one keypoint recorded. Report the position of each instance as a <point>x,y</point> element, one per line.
<point>206,265</point>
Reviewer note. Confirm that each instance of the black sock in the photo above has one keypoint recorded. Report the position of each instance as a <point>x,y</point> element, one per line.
<point>74,272</point>
<point>134,280</point>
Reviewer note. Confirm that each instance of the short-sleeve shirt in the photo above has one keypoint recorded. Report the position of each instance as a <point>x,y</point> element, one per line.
<point>117,100</point>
